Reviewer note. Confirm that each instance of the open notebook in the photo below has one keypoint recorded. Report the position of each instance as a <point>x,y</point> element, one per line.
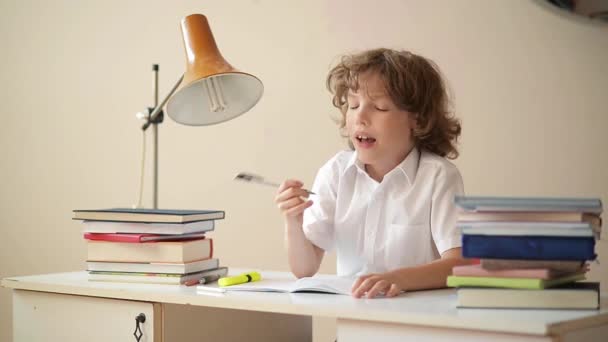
<point>324,284</point>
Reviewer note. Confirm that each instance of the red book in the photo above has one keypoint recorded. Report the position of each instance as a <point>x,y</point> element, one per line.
<point>138,238</point>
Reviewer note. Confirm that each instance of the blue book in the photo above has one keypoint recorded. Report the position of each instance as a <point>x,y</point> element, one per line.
<point>528,247</point>
<point>528,204</point>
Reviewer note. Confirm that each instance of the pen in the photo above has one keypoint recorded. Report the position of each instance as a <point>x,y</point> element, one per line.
<point>239,279</point>
<point>250,177</point>
<point>203,280</point>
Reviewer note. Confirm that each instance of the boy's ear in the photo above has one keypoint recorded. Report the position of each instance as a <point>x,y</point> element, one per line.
<point>414,120</point>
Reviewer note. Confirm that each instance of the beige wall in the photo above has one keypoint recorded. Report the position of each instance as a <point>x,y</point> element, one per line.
<point>529,85</point>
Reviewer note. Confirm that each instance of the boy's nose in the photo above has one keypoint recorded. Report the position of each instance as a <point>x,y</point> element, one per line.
<point>362,117</point>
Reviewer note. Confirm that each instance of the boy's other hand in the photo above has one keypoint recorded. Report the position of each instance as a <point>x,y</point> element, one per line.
<point>292,200</point>
<point>373,285</point>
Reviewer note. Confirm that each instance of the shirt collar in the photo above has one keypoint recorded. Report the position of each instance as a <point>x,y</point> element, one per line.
<point>409,166</point>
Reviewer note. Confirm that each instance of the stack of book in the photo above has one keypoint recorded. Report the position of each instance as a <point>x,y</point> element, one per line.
<point>150,245</point>
<point>532,251</point>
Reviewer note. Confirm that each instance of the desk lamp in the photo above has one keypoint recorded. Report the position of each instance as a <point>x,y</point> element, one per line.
<point>212,91</point>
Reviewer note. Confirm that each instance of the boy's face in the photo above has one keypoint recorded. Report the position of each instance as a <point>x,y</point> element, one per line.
<point>380,131</point>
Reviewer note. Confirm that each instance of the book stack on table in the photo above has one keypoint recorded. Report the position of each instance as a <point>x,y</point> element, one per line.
<point>533,252</point>
<point>150,245</point>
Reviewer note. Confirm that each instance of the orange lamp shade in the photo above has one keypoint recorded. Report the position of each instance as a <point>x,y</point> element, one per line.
<point>212,90</point>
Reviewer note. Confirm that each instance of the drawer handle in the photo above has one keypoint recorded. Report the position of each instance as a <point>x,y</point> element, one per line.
<point>141,318</point>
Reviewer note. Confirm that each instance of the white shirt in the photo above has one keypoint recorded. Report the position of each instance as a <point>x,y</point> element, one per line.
<point>406,220</point>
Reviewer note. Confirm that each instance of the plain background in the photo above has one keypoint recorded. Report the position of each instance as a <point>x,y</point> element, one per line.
<point>528,82</point>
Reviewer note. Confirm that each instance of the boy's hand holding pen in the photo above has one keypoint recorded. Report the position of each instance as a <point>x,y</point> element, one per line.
<point>292,198</point>
<point>253,178</point>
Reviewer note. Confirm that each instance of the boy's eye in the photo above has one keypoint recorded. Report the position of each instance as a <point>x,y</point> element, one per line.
<point>382,109</point>
<point>353,106</point>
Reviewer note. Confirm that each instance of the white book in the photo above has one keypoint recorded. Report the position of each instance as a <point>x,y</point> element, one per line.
<point>153,267</point>
<point>147,228</point>
<point>579,229</point>
<point>527,232</point>
<point>528,204</point>
<point>319,284</point>
<point>158,278</point>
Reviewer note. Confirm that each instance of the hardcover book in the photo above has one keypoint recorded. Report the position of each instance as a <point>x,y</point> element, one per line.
<point>157,278</point>
<point>153,267</point>
<point>581,229</point>
<point>148,215</point>
<point>528,247</point>
<point>533,216</point>
<point>529,204</point>
<point>147,228</point>
<point>512,283</point>
<point>479,271</point>
<point>554,265</point>
<point>168,252</point>
<point>139,238</point>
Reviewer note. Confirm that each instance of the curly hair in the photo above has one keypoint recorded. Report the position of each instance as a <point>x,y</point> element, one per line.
<point>414,84</point>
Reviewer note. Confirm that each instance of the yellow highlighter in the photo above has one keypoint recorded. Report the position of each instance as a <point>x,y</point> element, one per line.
<point>239,279</point>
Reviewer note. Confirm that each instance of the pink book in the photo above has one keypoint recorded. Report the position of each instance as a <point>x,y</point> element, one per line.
<point>478,271</point>
<point>139,238</point>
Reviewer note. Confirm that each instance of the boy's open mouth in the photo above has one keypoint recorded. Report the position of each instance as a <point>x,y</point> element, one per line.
<point>365,139</point>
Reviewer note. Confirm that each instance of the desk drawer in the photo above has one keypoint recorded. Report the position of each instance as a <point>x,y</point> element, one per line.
<point>43,316</point>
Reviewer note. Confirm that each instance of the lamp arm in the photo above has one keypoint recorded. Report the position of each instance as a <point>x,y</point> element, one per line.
<point>156,112</point>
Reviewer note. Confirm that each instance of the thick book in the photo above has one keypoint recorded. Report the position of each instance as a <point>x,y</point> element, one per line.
<point>147,215</point>
<point>512,283</point>
<point>528,247</point>
<point>171,251</point>
<point>329,285</point>
<point>157,278</point>
<point>147,228</point>
<point>579,295</point>
<point>153,267</point>
<point>139,238</point>
<point>479,271</point>
<point>533,216</point>
<point>580,229</point>
<point>554,265</point>
<point>529,204</point>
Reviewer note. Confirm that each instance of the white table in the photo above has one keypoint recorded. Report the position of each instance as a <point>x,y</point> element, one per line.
<point>67,307</point>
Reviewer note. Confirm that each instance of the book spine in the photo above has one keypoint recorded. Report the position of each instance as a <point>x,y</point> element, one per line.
<point>527,204</point>
<point>210,248</point>
<point>133,238</point>
<point>528,247</point>
<point>512,283</point>
<point>467,271</point>
<point>527,232</point>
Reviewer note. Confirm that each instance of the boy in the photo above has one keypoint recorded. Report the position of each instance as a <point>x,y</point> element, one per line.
<point>386,206</point>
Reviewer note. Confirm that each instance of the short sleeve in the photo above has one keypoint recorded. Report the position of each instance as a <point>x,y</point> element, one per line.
<point>319,218</point>
<point>444,214</point>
